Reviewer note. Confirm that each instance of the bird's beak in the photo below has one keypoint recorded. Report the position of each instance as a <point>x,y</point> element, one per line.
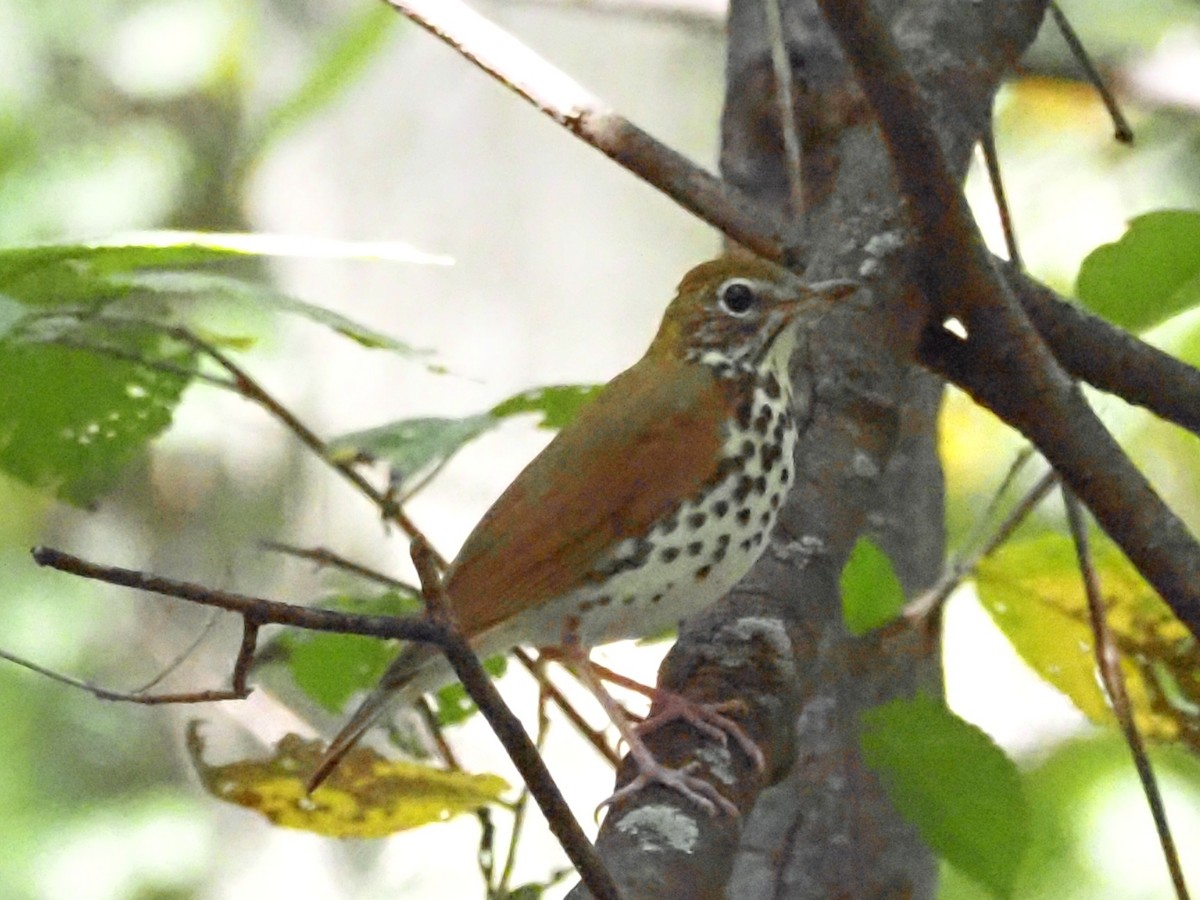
<point>834,289</point>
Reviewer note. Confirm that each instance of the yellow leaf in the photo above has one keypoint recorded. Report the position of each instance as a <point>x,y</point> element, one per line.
<point>367,796</point>
<point>1034,592</point>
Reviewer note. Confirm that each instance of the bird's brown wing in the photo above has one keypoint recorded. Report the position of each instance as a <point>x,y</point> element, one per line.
<point>651,439</point>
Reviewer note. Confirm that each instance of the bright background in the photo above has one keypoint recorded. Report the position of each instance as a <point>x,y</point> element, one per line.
<point>117,115</point>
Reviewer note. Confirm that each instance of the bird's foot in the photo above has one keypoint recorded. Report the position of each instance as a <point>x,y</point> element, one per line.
<point>707,718</point>
<point>682,781</point>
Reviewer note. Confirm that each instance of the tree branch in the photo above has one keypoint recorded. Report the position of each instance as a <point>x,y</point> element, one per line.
<point>1109,358</point>
<point>256,610</point>
<point>1035,395</point>
<point>508,729</point>
<point>437,627</point>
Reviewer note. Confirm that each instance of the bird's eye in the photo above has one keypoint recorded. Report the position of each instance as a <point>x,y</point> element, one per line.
<point>737,297</point>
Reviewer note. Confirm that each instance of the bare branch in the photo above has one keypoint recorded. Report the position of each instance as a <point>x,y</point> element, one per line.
<point>1004,363</point>
<point>255,610</point>
<point>125,696</point>
<point>992,161</point>
<point>1108,661</point>
<point>509,730</point>
<point>555,94</point>
<point>785,103</point>
<point>1121,128</point>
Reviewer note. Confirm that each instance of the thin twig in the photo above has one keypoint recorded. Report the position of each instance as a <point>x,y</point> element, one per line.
<point>486,855</point>
<point>252,390</point>
<point>930,601</point>
<point>508,729</point>
<point>593,736</point>
<point>991,160</point>
<point>323,557</point>
<point>125,696</point>
<point>785,109</point>
<point>558,96</point>
<point>1108,660</point>
<point>254,609</point>
<point>182,656</point>
<point>1121,128</point>
<point>429,717</point>
<point>979,533</point>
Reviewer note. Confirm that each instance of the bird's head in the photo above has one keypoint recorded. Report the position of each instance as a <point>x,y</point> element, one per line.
<point>729,312</point>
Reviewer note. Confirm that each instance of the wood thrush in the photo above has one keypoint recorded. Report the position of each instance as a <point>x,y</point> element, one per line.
<point>651,505</point>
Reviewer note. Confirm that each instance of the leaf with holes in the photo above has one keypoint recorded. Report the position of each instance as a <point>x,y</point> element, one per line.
<point>71,419</point>
<point>949,779</point>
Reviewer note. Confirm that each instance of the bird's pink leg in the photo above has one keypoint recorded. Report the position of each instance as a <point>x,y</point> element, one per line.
<point>707,718</point>
<point>650,770</point>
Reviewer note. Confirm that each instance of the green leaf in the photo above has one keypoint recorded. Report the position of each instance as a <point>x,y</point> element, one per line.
<point>454,705</point>
<point>174,249</point>
<point>331,668</point>
<point>949,779</point>
<point>350,48</point>
<point>1034,592</point>
<point>1149,275</point>
<point>557,405</point>
<point>71,419</point>
<point>258,296</point>
<point>416,447</point>
<point>871,592</point>
<point>412,447</point>
<point>11,312</point>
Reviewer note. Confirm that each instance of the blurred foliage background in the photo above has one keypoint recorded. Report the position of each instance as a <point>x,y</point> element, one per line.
<point>336,119</point>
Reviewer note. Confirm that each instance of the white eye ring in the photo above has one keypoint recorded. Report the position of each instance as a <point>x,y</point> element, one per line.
<point>737,296</point>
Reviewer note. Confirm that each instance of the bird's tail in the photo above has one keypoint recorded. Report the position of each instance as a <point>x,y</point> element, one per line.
<point>400,682</point>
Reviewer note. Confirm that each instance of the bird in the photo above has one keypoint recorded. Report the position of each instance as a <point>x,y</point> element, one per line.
<point>649,506</point>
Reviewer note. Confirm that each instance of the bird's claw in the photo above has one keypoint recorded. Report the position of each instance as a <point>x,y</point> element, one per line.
<point>682,781</point>
<point>707,718</point>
